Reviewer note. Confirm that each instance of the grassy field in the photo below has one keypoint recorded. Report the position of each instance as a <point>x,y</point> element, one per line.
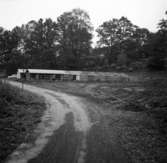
<point>20,112</point>
<point>135,111</point>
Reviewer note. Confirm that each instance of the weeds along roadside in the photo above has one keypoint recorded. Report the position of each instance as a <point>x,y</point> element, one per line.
<point>20,112</point>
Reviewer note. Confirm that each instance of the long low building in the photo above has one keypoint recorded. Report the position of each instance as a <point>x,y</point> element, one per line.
<point>42,74</point>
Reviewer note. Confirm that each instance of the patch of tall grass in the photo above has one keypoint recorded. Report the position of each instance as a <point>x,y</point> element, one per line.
<point>8,95</point>
<point>20,111</point>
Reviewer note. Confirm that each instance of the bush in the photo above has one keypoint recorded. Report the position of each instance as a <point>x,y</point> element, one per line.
<point>20,111</point>
<point>8,95</point>
<point>156,63</point>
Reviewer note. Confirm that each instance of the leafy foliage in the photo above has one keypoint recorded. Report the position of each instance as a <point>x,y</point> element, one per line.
<point>8,53</point>
<point>66,44</point>
<point>40,44</point>
<point>121,37</point>
<point>74,38</point>
<point>156,48</point>
<point>20,111</point>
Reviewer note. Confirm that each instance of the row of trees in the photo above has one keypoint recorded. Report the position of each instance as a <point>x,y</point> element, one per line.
<point>122,40</point>
<point>66,44</point>
<point>63,44</point>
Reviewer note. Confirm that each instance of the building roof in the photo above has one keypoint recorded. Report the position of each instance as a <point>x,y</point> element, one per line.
<point>91,73</point>
<point>44,71</point>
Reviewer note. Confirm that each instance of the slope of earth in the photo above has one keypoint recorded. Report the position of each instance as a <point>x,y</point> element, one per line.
<point>20,112</point>
<point>72,131</point>
<point>130,114</point>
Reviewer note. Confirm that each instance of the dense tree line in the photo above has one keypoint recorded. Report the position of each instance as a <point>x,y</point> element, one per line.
<point>122,40</point>
<point>67,44</point>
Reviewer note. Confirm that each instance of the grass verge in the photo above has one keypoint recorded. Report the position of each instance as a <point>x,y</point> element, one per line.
<point>20,112</point>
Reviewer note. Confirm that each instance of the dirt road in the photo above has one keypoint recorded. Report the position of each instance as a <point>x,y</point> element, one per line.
<point>72,131</point>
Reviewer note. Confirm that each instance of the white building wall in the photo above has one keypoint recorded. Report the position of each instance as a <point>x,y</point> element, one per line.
<point>18,75</point>
<point>78,77</point>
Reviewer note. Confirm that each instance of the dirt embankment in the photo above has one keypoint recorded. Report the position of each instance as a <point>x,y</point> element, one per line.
<point>74,130</point>
<point>20,112</point>
<point>132,113</point>
<point>64,115</point>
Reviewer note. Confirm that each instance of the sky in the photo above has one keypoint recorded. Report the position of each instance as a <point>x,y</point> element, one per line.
<point>144,13</point>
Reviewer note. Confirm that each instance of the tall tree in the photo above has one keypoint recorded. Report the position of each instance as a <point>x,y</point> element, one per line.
<point>162,25</point>
<point>119,35</point>
<point>40,43</point>
<point>1,46</point>
<point>74,38</point>
<point>8,53</point>
<point>115,32</point>
<point>157,47</point>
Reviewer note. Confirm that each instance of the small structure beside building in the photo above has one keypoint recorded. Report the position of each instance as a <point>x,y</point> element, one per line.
<point>63,75</point>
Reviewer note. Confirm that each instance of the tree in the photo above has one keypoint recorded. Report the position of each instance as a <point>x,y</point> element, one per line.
<point>122,38</point>
<point>40,43</point>
<point>1,46</point>
<point>115,32</point>
<point>162,25</point>
<point>157,47</point>
<point>8,45</point>
<point>74,38</point>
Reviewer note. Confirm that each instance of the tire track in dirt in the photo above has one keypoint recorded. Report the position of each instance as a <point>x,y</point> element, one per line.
<point>63,110</point>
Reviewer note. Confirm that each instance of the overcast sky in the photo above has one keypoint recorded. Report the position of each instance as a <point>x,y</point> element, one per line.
<point>144,13</point>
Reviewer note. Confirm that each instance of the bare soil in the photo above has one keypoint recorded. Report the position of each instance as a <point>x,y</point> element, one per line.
<point>132,114</point>
<point>124,121</point>
<point>73,135</point>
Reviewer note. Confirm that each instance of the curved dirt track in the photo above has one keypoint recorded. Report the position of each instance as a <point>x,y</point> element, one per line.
<point>71,131</point>
<point>63,111</point>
